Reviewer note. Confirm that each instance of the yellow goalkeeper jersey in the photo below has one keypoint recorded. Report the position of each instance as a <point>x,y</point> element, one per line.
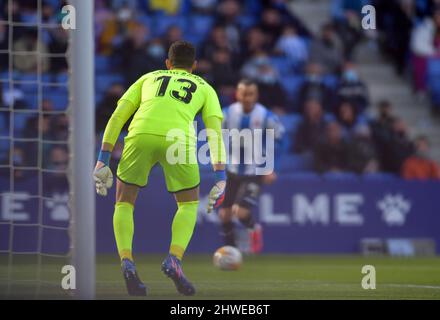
<point>170,99</point>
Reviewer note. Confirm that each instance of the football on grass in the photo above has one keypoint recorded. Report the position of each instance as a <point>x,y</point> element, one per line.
<point>228,258</point>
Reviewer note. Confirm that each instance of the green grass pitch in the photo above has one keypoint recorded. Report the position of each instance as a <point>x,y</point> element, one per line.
<point>261,277</point>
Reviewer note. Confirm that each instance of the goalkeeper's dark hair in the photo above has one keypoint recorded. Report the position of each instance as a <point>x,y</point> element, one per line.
<point>182,54</point>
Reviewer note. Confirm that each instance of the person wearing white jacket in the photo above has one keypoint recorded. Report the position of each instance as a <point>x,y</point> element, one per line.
<point>425,43</point>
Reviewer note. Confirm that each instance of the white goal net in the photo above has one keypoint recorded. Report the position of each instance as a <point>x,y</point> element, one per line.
<point>36,148</point>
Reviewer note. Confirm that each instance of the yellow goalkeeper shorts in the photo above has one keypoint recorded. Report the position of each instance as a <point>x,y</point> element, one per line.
<point>178,160</point>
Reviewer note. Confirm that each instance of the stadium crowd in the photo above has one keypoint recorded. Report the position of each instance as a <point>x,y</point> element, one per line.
<point>309,80</point>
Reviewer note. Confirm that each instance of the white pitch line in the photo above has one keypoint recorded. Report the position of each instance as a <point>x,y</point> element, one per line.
<point>418,286</point>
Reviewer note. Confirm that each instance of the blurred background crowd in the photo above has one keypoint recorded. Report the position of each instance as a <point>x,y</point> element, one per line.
<point>310,79</point>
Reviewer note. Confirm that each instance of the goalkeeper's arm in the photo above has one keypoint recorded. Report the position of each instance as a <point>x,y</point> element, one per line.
<point>102,174</point>
<point>218,159</point>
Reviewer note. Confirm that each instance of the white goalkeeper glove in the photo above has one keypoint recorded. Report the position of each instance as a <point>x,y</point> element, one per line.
<point>217,193</point>
<point>103,175</point>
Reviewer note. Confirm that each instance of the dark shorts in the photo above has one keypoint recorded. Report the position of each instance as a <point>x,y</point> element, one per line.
<point>242,190</point>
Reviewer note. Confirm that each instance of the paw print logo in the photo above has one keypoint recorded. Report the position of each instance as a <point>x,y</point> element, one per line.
<point>394,209</point>
<point>58,206</point>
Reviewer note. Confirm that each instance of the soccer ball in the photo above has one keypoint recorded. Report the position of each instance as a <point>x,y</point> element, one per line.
<point>227,258</point>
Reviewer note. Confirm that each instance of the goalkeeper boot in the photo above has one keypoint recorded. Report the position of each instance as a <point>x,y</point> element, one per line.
<point>172,268</point>
<point>256,239</point>
<point>135,287</point>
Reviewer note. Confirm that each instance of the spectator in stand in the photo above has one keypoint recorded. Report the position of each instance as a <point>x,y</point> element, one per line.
<point>259,68</point>
<point>348,119</point>
<point>4,39</point>
<point>204,67</point>
<point>224,75</point>
<point>383,132</point>
<point>425,43</point>
<point>362,155</point>
<point>58,43</point>
<point>60,127</point>
<point>327,50</point>
<point>137,56</point>
<point>292,46</point>
<point>311,128</point>
<point>398,148</point>
<point>107,105</point>
<point>228,16</point>
<point>13,96</point>
<point>287,15</point>
<point>173,34</point>
<point>204,6</point>
<point>115,30</point>
<point>29,62</point>
<point>170,7</point>
<point>217,40</point>
<point>420,165</point>
<point>102,18</point>
<point>19,160</point>
<point>34,126</point>
<point>351,88</point>
<point>347,24</point>
<point>256,41</point>
<point>330,154</point>
<point>58,158</point>
<point>314,88</point>
<point>272,25</point>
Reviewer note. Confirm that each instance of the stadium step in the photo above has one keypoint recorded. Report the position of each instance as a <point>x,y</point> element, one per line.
<point>383,83</point>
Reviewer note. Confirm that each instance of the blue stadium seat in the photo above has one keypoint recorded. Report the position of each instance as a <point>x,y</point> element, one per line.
<point>4,130</point>
<point>331,81</point>
<point>58,95</point>
<point>294,163</point>
<point>290,123</point>
<point>200,25</point>
<point>4,75</point>
<point>433,71</point>
<point>29,88</point>
<point>304,176</point>
<point>62,77</point>
<point>433,74</point>
<point>282,65</point>
<point>247,21</point>
<point>195,39</point>
<point>253,7</point>
<point>104,80</point>
<point>102,63</point>
<point>53,3</point>
<point>291,84</point>
<point>20,121</point>
<point>329,117</point>
<point>20,76</point>
<point>163,22</point>
<point>340,176</point>
<point>380,176</point>
<point>145,20</point>
<point>31,100</point>
<point>29,17</point>
<point>48,78</point>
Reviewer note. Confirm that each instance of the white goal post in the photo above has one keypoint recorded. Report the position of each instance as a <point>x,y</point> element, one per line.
<point>82,109</point>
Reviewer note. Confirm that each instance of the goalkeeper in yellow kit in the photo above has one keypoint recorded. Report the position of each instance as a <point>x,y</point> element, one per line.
<point>162,102</point>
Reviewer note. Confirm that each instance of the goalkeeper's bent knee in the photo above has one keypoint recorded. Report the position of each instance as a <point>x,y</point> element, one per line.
<point>183,227</point>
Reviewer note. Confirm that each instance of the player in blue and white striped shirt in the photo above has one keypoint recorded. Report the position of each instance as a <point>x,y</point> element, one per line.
<point>244,169</point>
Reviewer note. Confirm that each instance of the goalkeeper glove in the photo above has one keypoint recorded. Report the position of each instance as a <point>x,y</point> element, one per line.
<point>103,175</point>
<point>217,193</point>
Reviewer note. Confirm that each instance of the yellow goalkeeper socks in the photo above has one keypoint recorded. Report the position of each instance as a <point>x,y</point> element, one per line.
<point>124,228</point>
<point>183,227</point>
